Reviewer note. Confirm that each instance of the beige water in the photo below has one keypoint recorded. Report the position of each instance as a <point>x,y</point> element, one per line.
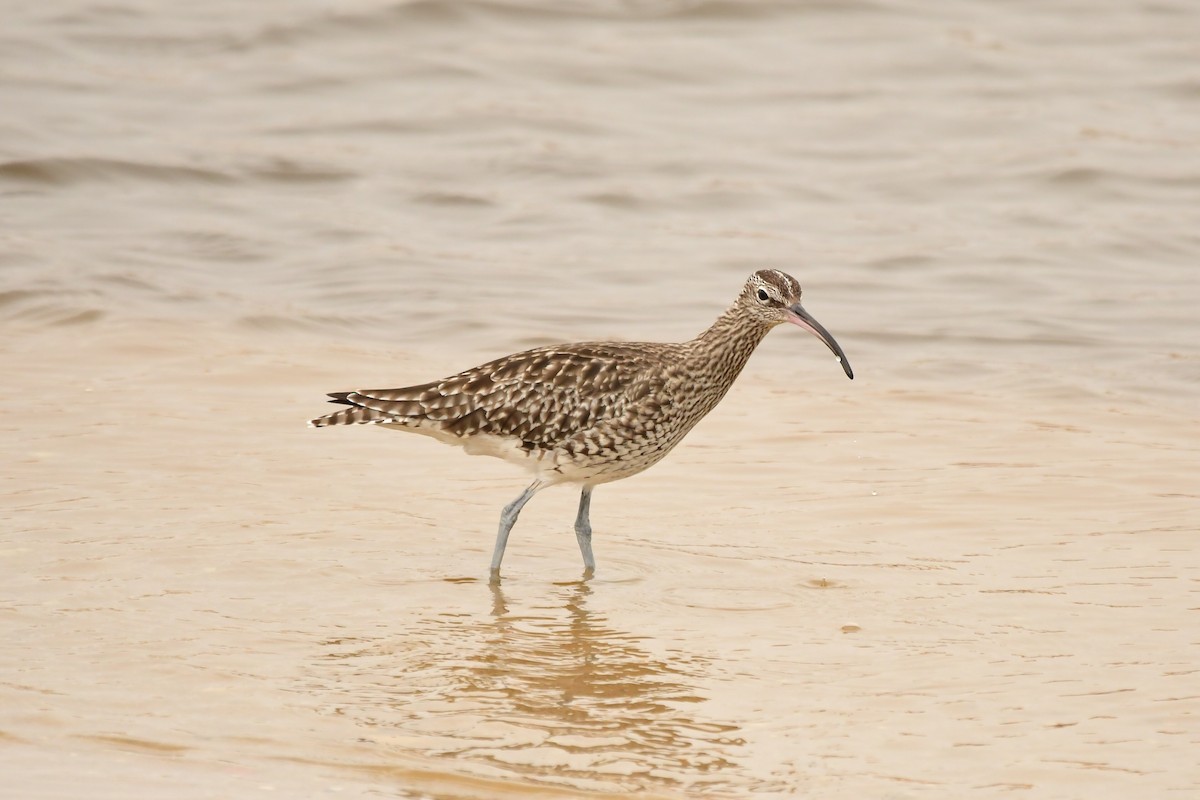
<point>973,571</point>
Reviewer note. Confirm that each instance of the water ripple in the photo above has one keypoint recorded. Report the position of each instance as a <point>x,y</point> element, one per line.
<point>550,692</point>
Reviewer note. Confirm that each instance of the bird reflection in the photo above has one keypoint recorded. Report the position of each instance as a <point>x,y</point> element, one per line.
<point>547,690</point>
<point>575,667</point>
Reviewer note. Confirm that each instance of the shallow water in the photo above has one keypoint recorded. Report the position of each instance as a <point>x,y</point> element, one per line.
<point>972,570</point>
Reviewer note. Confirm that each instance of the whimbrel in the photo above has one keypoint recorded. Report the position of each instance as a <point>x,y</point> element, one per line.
<point>587,413</point>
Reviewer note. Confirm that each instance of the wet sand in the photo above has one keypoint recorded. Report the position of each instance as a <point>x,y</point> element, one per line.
<point>971,571</point>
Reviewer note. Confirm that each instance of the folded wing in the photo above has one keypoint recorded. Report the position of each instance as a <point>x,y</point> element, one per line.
<point>540,397</point>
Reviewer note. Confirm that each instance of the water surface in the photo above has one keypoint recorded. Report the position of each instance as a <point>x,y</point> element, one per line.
<point>971,571</point>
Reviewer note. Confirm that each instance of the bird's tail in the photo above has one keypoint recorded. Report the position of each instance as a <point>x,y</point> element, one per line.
<point>354,415</point>
<point>399,406</point>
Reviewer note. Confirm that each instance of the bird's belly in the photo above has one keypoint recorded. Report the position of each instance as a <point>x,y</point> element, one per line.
<point>611,460</point>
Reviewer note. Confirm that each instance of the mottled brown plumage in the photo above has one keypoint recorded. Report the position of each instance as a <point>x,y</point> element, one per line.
<point>587,413</point>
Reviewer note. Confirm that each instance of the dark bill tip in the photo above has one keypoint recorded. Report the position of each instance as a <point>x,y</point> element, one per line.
<point>798,316</point>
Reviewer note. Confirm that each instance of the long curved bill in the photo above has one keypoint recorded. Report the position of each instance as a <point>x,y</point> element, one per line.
<point>798,316</point>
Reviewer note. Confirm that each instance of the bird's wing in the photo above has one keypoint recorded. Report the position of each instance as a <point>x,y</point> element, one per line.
<point>539,396</point>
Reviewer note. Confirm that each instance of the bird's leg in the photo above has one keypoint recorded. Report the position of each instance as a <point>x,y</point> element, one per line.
<point>507,518</point>
<point>583,529</point>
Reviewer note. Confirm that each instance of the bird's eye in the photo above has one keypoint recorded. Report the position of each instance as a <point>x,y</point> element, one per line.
<point>763,296</point>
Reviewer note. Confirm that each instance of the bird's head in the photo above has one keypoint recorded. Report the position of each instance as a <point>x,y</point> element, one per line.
<point>772,297</point>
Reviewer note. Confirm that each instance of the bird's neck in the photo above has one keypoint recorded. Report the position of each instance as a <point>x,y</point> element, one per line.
<point>721,351</point>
